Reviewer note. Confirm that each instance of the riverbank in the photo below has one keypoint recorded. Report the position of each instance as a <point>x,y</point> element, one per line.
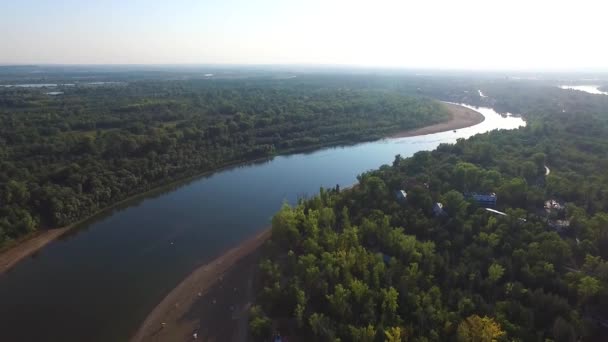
<point>188,316</point>
<point>200,302</point>
<point>28,246</point>
<point>460,117</point>
<point>10,255</point>
<point>213,301</point>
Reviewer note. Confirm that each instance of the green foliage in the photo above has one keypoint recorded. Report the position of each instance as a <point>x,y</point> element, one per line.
<point>588,287</point>
<point>64,158</point>
<point>369,263</point>
<point>479,329</point>
<point>259,324</point>
<point>563,331</point>
<point>495,272</point>
<point>350,265</point>
<point>394,334</point>
<point>363,334</point>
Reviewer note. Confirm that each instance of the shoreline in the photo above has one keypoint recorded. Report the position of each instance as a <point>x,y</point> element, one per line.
<point>29,244</point>
<point>26,246</point>
<point>207,278</point>
<point>460,117</point>
<point>185,293</point>
<point>180,301</point>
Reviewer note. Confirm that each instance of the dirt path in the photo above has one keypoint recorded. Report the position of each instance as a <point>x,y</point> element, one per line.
<point>461,117</point>
<point>205,302</point>
<point>28,247</point>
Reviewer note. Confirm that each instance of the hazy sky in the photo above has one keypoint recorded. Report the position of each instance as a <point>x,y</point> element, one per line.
<point>463,34</point>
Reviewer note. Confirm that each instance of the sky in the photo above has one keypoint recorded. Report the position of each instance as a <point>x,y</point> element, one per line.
<point>463,34</point>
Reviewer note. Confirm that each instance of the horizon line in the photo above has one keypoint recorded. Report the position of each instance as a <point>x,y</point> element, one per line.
<point>315,65</point>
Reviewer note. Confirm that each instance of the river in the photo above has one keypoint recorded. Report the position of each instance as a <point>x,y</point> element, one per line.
<point>590,89</point>
<point>100,282</point>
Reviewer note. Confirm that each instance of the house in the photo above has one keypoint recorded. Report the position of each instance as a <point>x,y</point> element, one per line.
<point>553,205</point>
<point>484,200</point>
<point>438,209</point>
<point>401,195</point>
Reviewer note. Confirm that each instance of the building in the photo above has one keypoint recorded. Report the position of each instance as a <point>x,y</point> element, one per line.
<point>484,200</point>
<point>553,205</point>
<point>401,195</point>
<point>438,209</point>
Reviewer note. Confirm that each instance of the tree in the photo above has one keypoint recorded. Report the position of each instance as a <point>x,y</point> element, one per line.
<point>321,326</point>
<point>375,189</point>
<point>529,171</point>
<point>339,302</point>
<point>390,304</point>
<point>479,329</point>
<point>363,334</point>
<point>467,176</point>
<point>514,192</point>
<point>588,287</point>
<point>563,331</point>
<point>300,306</point>
<point>259,323</point>
<point>495,272</point>
<point>540,159</point>
<point>285,227</point>
<point>395,334</point>
<point>454,203</point>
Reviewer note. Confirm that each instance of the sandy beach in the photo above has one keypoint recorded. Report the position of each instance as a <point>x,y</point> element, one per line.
<point>29,246</point>
<point>212,301</point>
<point>461,117</point>
<point>189,307</point>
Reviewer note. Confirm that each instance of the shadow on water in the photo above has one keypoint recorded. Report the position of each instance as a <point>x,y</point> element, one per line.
<point>157,192</point>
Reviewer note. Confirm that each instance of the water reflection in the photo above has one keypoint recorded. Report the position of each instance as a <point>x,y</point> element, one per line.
<point>591,89</point>
<point>100,282</point>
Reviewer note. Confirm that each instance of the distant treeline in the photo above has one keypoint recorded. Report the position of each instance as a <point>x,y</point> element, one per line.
<point>65,157</point>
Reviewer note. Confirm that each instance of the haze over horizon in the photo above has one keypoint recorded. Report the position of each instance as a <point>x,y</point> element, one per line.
<point>472,34</point>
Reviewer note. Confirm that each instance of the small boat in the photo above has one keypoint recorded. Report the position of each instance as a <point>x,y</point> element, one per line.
<point>454,131</point>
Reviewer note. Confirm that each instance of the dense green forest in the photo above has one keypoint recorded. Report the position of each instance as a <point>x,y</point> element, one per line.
<point>362,265</point>
<point>64,157</point>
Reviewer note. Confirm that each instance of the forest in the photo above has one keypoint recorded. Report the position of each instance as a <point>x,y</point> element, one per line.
<point>357,264</point>
<point>365,264</point>
<point>64,157</point>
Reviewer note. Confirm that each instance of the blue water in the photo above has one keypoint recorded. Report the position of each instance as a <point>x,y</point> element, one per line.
<point>100,282</point>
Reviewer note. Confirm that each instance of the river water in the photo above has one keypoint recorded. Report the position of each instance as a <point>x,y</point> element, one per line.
<point>100,282</point>
<point>590,89</point>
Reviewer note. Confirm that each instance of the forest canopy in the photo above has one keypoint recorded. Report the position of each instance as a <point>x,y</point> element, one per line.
<point>65,156</point>
<point>365,264</point>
